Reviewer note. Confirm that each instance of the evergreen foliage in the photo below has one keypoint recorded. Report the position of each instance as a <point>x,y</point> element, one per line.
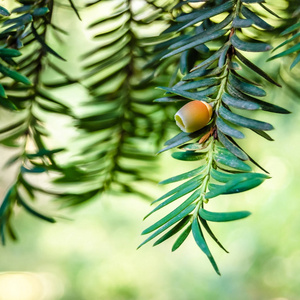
<point>292,35</point>
<point>24,92</point>
<point>201,54</point>
<point>217,79</point>
<point>121,115</point>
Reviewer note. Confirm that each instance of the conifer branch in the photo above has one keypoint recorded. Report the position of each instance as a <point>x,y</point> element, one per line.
<point>215,81</point>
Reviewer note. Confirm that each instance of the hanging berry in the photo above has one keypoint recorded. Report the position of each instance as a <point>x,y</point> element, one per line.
<point>193,116</point>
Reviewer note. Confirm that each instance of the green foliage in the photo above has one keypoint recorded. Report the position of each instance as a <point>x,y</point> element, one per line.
<point>218,79</point>
<point>24,37</point>
<point>201,54</point>
<point>293,42</point>
<point>121,116</point>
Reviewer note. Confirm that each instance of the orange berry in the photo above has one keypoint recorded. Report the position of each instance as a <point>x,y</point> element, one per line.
<point>193,116</point>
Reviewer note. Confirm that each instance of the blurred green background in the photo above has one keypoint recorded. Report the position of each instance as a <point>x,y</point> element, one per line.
<point>93,255</point>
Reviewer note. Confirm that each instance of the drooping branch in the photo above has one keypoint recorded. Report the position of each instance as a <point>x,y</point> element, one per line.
<point>28,28</point>
<point>217,81</point>
<point>121,74</point>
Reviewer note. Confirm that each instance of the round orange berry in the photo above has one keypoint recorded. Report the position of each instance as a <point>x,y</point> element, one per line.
<point>193,116</point>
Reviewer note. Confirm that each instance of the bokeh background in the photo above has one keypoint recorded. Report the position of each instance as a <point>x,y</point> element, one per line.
<point>90,254</point>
